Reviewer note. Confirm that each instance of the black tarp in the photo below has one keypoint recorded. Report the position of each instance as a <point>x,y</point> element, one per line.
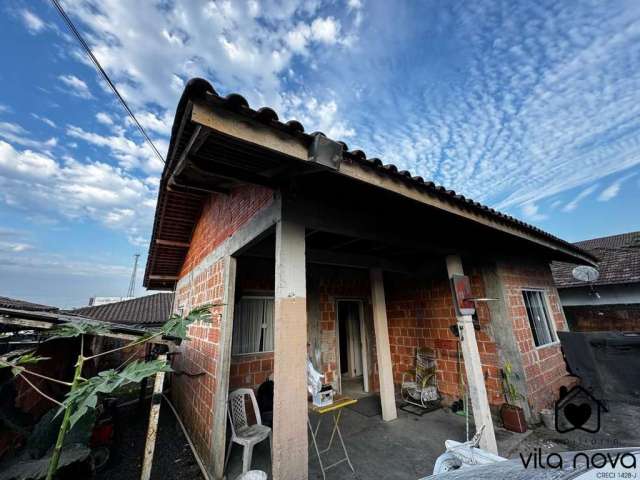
<point>608,363</point>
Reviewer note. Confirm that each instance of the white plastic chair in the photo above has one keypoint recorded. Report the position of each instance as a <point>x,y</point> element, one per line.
<point>241,432</point>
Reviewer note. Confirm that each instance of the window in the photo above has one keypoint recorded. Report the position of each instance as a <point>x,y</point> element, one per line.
<point>539,318</point>
<point>253,326</point>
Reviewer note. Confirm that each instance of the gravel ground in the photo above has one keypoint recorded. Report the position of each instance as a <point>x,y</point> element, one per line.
<point>173,459</point>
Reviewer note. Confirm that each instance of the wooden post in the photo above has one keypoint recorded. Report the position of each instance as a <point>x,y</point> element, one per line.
<point>152,429</point>
<point>224,361</point>
<point>473,368</point>
<point>290,443</point>
<point>381,328</point>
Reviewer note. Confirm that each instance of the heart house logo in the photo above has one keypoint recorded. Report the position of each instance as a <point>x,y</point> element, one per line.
<point>577,409</point>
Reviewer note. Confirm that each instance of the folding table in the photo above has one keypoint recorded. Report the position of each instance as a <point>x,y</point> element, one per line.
<point>335,409</point>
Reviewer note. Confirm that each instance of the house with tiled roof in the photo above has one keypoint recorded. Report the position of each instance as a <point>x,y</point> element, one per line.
<point>147,311</point>
<point>307,249</point>
<point>612,301</point>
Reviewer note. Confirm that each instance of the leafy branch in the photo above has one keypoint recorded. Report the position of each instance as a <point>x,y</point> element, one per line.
<point>83,394</point>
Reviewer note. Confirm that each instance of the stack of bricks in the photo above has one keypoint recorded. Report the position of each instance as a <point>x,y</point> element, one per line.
<point>544,367</point>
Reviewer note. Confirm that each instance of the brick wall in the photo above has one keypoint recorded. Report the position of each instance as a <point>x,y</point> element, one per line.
<point>604,318</point>
<point>420,312</point>
<point>250,371</point>
<point>334,284</point>
<point>221,216</point>
<point>194,394</point>
<point>544,367</point>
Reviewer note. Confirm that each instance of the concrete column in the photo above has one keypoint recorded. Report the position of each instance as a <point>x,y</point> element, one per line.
<point>473,367</point>
<point>381,328</point>
<point>290,454</point>
<point>219,431</point>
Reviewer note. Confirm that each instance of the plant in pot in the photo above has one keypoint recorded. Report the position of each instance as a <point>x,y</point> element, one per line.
<point>512,415</point>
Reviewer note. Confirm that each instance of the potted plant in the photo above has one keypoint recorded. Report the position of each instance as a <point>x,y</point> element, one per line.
<point>512,415</point>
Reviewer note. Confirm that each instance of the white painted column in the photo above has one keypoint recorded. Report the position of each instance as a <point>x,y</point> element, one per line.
<point>219,431</point>
<point>381,328</point>
<point>473,368</point>
<point>290,454</point>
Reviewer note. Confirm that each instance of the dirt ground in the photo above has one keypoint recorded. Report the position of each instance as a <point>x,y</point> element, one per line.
<point>173,459</point>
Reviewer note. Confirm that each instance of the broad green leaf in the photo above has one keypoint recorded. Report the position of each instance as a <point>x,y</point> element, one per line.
<point>85,396</point>
<point>75,329</point>
<point>16,364</point>
<point>177,326</point>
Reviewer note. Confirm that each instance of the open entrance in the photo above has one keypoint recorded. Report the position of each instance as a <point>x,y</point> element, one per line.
<point>352,343</point>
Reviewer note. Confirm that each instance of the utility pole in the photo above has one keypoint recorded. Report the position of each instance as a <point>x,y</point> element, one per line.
<point>132,284</point>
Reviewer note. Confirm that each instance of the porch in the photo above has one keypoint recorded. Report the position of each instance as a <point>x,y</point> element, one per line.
<point>405,449</point>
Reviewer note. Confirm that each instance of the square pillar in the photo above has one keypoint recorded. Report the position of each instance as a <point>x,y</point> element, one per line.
<point>473,368</point>
<point>381,328</point>
<point>290,443</point>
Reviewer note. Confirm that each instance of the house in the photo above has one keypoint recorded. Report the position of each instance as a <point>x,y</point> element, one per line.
<point>303,246</point>
<point>147,311</point>
<point>612,302</point>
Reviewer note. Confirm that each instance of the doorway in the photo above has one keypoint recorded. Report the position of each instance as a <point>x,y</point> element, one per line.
<point>352,348</point>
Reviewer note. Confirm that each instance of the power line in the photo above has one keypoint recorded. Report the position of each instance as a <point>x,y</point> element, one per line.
<point>95,61</point>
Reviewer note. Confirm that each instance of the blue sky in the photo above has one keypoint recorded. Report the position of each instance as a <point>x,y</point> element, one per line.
<point>530,107</point>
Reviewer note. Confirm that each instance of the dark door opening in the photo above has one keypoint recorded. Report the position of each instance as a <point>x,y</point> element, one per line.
<point>352,347</point>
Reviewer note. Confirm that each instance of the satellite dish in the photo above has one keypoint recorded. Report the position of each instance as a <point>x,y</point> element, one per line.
<point>585,273</point>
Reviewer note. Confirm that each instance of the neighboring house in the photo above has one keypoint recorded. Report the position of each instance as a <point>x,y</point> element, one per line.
<point>612,302</point>
<point>6,302</point>
<point>296,240</point>
<point>148,311</point>
<point>97,301</point>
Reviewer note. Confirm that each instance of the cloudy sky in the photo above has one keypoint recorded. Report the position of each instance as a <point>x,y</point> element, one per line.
<point>530,107</point>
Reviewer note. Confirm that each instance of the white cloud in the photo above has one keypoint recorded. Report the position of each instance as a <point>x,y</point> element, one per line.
<point>354,4</point>
<point>13,247</point>
<point>325,30</point>
<point>573,204</point>
<point>104,118</point>
<point>612,190</point>
<point>14,133</point>
<point>44,120</point>
<point>130,155</point>
<point>33,23</point>
<point>37,182</point>
<point>77,87</point>
<point>531,211</point>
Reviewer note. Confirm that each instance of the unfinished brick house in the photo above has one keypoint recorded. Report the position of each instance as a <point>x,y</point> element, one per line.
<point>295,240</point>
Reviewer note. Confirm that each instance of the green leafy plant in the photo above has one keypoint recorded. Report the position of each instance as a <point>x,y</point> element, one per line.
<point>83,393</point>
<point>511,393</point>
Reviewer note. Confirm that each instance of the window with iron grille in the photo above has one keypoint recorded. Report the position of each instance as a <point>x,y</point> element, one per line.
<point>539,319</point>
<point>253,326</point>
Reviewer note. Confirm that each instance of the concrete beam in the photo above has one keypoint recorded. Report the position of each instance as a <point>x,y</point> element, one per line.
<point>222,373</point>
<point>290,443</point>
<point>385,368</point>
<point>473,368</point>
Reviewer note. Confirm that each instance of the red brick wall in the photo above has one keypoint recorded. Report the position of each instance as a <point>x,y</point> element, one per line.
<point>603,318</point>
<point>420,313</point>
<point>334,284</point>
<point>250,371</point>
<point>194,395</point>
<point>221,216</point>
<point>544,367</point>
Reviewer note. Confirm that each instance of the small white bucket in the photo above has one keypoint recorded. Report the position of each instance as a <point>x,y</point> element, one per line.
<point>253,475</point>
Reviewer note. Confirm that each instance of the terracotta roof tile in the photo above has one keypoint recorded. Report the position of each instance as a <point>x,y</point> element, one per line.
<point>150,310</point>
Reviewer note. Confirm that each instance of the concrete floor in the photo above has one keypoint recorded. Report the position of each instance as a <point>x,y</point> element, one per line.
<point>403,449</point>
